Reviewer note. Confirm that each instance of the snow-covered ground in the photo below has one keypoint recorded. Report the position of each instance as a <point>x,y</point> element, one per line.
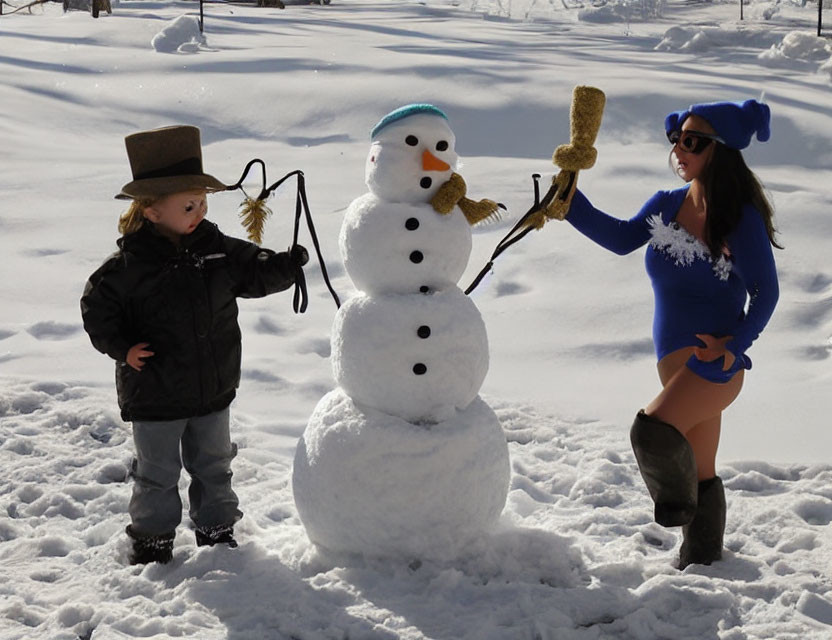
<point>576,554</point>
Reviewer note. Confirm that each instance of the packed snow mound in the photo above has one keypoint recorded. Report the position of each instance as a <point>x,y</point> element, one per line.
<point>695,39</point>
<point>798,45</point>
<point>796,49</point>
<point>826,69</point>
<point>370,483</point>
<point>182,35</point>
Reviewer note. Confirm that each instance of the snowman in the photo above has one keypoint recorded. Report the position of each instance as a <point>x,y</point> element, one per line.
<point>404,457</point>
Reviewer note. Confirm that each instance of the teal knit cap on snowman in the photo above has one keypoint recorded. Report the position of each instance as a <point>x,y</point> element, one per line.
<point>734,122</point>
<point>404,112</point>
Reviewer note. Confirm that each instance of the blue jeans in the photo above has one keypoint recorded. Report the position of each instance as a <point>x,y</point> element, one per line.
<point>204,446</point>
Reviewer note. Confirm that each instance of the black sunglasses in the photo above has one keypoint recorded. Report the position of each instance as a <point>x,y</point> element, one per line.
<point>692,141</point>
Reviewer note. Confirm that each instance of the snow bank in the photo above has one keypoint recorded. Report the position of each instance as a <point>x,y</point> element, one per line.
<point>797,46</point>
<point>796,49</point>
<point>181,35</point>
<point>696,39</point>
<point>826,68</point>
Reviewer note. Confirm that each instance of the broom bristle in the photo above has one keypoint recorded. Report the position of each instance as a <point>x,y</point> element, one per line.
<point>253,214</point>
<point>477,212</point>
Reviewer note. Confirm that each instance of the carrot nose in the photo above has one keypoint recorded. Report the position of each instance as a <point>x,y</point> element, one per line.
<point>431,163</point>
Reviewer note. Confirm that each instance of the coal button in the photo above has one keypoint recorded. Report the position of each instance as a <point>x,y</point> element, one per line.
<point>416,257</point>
<point>423,331</point>
<point>419,369</point>
<point>412,224</point>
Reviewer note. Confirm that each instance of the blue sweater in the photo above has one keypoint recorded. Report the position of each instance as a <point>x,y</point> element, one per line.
<point>693,293</point>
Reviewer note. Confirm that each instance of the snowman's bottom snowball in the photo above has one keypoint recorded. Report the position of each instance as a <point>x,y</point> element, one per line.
<point>367,482</point>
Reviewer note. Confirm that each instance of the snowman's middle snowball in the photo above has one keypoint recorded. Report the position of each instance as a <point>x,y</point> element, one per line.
<point>379,241</point>
<point>418,357</point>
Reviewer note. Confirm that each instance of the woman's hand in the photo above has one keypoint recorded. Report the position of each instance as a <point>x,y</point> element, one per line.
<point>136,353</point>
<point>714,348</point>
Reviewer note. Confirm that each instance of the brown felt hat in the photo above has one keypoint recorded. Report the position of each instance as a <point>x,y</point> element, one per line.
<point>165,161</point>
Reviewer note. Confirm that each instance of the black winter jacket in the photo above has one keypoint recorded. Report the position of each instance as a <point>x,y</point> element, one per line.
<point>183,302</point>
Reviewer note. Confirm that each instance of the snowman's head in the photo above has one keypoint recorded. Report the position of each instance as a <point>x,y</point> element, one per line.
<point>412,154</point>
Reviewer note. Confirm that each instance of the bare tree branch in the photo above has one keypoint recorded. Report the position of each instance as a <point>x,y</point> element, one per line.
<point>25,6</point>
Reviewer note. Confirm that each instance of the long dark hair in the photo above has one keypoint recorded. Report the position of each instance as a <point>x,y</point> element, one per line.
<point>729,184</point>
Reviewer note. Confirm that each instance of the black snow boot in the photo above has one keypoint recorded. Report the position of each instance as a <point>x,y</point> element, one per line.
<point>702,542</point>
<point>148,549</point>
<point>666,462</point>
<point>219,534</point>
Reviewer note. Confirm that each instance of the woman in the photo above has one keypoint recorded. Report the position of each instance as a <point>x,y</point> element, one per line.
<point>709,253</point>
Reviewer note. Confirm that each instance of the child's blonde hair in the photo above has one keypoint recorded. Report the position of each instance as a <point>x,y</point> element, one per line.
<point>133,219</point>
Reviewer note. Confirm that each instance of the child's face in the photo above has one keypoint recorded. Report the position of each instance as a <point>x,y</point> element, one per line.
<point>178,214</point>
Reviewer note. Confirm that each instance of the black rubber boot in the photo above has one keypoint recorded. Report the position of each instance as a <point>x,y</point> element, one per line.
<point>148,549</point>
<point>220,534</point>
<point>666,462</point>
<point>702,542</point>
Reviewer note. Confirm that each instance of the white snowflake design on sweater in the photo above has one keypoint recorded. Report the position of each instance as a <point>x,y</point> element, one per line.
<point>684,247</point>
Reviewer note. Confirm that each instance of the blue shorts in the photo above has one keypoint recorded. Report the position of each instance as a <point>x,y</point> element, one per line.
<point>712,371</point>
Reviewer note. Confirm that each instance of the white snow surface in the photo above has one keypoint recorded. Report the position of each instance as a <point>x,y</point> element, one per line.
<point>376,346</point>
<point>574,554</point>
<point>365,481</point>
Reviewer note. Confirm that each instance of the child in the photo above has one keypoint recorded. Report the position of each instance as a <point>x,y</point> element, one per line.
<point>164,308</point>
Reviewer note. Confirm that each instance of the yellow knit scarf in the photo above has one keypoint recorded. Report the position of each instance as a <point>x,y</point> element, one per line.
<point>452,194</point>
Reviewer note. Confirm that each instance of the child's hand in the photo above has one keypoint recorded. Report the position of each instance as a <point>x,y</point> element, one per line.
<point>136,353</point>
<point>713,349</point>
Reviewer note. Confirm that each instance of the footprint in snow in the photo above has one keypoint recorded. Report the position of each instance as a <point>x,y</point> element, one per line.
<point>509,288</point>
<point>268,326</point>
<point>50,330</point>
<point>319,346</point>
<point>815,607</point>
<point>806,541</point>
<point>815,511</point>
<point>815,283</point>
<point>816,352</point>
<point>813,314</point>
<point>45,253</point>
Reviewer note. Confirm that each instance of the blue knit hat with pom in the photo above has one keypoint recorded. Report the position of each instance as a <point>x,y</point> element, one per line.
<point>734,122</point>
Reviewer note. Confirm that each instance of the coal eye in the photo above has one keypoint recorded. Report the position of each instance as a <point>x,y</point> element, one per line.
<point>412,140</point>
<point>442,145</point>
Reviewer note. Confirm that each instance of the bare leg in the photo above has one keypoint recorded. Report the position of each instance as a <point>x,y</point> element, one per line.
<point>704,440</point>
<point>694,406</point>
<point>688,400</point>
